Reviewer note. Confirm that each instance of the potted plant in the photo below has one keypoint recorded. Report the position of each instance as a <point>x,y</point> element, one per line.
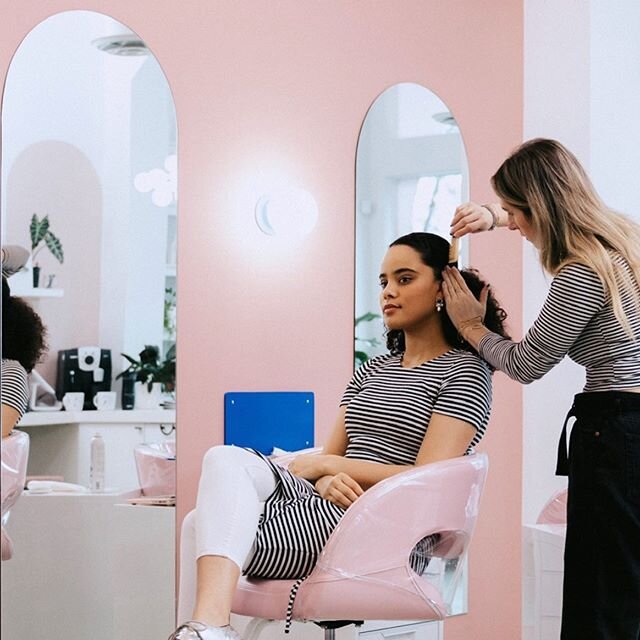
<point>362,356</point>
<point>152,376</point>
<point>41,237</point>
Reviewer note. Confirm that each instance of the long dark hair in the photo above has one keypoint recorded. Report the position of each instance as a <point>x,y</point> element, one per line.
<point>23,334</point>
<point>434,252</point>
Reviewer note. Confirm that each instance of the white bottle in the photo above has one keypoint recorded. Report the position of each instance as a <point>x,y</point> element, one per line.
<point>96,469</point>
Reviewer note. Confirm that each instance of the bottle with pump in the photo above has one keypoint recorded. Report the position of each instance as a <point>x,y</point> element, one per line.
<point>96,470</point>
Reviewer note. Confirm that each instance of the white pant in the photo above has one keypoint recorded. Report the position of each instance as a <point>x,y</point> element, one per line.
<point>234,485</point>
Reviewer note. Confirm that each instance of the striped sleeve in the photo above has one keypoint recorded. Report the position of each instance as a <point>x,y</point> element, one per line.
<point>360,375</point>
<point>575,296</point>
<point>466,392</point>
<point>14,386</point>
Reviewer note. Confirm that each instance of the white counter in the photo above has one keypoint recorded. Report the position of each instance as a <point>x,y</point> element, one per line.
<point>61,441</point>
<point>119,416</point>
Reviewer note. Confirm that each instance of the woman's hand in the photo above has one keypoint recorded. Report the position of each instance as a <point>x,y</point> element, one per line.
<point>341,489</point>
<point>462,306</point>
<point>471,218</point>
<point>311,466</point>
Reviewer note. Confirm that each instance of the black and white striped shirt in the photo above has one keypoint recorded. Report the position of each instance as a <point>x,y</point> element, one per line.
<point>388,412</point>
<point>15,387</point>
<point>577,319</point>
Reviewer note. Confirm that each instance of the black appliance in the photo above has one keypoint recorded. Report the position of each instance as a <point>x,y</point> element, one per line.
<point>86,369</point>
<point>128,390</point>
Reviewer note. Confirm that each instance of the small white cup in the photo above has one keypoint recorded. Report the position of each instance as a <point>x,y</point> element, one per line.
<point>73,400</point>
<point>105,400</point>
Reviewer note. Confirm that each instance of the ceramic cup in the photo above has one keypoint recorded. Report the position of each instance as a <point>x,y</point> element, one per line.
<point>105,400</point>
<point>73,400</point>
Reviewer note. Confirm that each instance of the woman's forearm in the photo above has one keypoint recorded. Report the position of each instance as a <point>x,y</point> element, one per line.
<point>365,473</point>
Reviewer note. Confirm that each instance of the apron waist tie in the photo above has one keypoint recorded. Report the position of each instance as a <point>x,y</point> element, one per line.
<point>562,463</point>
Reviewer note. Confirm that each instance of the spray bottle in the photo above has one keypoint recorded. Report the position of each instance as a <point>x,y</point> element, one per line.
<point>96,469</point>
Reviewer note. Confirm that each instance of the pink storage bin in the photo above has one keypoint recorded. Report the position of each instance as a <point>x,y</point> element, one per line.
<point>156,465</point>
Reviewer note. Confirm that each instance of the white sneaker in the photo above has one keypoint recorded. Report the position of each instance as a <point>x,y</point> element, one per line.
<point>194,630</point>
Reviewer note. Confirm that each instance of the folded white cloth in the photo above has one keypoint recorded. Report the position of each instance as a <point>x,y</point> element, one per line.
<point>51,486</point>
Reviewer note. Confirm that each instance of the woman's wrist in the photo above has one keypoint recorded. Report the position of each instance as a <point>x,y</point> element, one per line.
<point>472,330</point>
<point>499,217</point>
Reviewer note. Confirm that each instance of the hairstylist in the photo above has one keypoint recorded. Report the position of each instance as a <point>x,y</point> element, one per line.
<point>592,313</point>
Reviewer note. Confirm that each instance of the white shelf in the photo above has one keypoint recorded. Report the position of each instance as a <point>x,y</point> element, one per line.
<point>40,292</point>
<point>139,416</point>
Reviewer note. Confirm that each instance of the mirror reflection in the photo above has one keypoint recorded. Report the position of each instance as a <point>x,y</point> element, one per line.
<point>89,189</point>
<point>411,174</point>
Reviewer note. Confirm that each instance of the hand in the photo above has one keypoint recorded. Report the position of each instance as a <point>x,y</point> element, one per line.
<point>462,306</point>
<point>309,466</point>
<point>470,218</point>
<point>341,489</point>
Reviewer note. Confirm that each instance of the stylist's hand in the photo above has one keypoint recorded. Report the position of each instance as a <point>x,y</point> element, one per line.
<point>470,218</point>
<point>340,489</point>
<point>310,466</point>
<point>462,306</point>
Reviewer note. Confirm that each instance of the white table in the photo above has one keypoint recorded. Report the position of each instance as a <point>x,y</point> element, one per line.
<point>544,571</point>
<point>86,566</point>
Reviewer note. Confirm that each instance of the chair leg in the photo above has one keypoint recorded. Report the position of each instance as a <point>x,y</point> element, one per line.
<point>255,628</point>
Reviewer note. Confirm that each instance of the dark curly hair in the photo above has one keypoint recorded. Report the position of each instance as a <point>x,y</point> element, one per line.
<point>23,334</point>
<point>434,252</point>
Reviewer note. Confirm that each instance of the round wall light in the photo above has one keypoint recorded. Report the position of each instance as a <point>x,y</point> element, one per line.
<point>290,212</point>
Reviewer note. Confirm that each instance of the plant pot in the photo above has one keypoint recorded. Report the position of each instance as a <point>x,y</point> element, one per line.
<point>36,276</point>
<point>145,399</point>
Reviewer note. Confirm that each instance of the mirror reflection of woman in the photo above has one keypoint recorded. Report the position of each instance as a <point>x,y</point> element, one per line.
<point>23,343</point>
<point>427,400</point>
<point>592,313</point>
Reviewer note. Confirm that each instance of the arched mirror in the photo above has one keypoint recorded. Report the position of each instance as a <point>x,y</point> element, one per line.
<point>411,174</point>
<point>89,188</point>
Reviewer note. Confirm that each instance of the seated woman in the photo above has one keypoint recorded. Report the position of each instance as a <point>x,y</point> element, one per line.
<point>427,400</point>
<point>23,344</point>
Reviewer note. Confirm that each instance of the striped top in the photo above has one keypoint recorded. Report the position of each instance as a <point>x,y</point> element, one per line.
<point>388,412</point>
<point>389,406</point>
<point>15,387</point>
<point>577,319</point>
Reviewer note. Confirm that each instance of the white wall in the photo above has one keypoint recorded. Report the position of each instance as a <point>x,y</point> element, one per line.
<point>582,87</point>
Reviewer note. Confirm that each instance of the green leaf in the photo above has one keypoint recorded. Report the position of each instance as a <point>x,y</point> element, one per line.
<point>38,229</point>
<point>54,246</point>
<point>130,359</point>
<point>361,357</point>
<point>366,317</point>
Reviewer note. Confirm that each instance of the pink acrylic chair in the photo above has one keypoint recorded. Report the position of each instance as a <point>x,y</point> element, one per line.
<point>156,466</point>
<point>15,453</point>
<point>364,571</point>
<point>555,510</point>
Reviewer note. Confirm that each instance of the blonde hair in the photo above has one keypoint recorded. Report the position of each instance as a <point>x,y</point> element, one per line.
<point>549,185</point>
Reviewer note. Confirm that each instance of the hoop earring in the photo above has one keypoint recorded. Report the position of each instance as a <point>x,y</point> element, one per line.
<point>439,305</point>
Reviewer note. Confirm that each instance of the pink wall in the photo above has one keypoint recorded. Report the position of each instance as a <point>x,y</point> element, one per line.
<point>264,87</point>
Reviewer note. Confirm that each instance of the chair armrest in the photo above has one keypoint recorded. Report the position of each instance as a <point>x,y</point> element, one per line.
<point>381,528</point>
<point>15,453</point>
